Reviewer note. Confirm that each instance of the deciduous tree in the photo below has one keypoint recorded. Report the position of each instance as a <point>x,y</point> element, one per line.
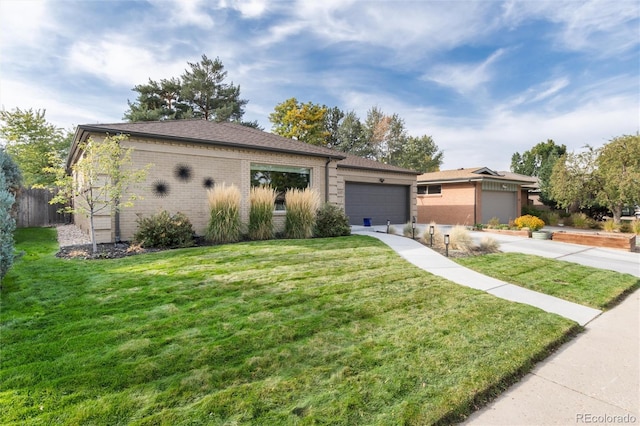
<point>101,179</point>
<point>608,176</point>
<point>539,162</point>
<point>34,144</point>
<point>303,122</point>
<point>618,174</point>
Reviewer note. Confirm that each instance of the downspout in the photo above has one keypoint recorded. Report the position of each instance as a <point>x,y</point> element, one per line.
<point>475,202</point>
<point>117,225</point>
<point>326,180</point>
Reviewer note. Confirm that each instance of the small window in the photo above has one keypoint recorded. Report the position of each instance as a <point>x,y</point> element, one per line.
<point>280,178</point>
<point>429,189</point>
<point>434,189</point>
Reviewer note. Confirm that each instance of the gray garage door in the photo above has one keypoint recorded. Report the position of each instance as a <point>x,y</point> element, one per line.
<point>376,201</point>
<point>499,204</point>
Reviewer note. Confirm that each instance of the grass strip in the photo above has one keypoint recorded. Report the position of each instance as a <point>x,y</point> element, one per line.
<point>339,331</point>
<point>597,288</point>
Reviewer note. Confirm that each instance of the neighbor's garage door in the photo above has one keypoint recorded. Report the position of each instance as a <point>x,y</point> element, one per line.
<point>499,204</point>
<point>376,201</point>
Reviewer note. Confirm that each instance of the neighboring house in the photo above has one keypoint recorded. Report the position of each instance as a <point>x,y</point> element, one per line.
<point>191,156</point>
<point>471,195</point>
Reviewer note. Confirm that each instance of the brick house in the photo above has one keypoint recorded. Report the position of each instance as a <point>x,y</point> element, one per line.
<point>468,196</point>
<point>191,156</point>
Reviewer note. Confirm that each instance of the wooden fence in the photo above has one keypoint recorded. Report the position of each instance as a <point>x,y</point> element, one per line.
<point>34,209</point>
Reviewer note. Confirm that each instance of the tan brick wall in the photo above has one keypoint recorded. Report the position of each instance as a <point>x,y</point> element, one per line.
<point>454,206</point>
<point>231,166</point>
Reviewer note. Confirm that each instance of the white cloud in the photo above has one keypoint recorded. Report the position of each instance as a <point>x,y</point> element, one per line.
<point>22,23</point>
<point>465,78</point>
<point>117,60</point>
<point>603,27</point>
<point>249,8</point>
<point>185,13</point>
<point>539,92</point>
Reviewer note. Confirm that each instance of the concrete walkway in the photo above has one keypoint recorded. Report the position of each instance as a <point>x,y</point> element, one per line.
<point>595,378</point>
<point>433,262</point>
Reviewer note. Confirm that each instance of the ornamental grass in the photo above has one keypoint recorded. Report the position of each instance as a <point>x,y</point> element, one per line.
<point>262,200</point>
<point>301,206</point>
<point>224,222</point>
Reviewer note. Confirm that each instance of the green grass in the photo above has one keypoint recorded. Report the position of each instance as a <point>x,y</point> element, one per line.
<point>587,286</point>
<point>319,331</point>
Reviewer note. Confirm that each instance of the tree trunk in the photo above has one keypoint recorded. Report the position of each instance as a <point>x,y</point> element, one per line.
<point>93,233</point>
<point>617,214</point>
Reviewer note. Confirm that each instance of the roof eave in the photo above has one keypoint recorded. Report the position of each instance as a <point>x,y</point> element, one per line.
<point>95,129</point>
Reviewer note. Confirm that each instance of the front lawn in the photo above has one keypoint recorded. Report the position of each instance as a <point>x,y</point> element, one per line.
<point>327,331</point>
<point>587,286</point>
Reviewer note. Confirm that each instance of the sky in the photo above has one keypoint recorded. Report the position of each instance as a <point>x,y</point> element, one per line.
<point>483,78</point>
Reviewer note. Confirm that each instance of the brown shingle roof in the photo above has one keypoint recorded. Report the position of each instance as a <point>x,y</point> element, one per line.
<point>472,173</point>
<point>355,162</point>
<point>227,134</point>
<point>209,132</point>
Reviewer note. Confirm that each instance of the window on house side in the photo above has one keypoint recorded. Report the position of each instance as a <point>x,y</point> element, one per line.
<point>280,178</point>
<point>429,189</point>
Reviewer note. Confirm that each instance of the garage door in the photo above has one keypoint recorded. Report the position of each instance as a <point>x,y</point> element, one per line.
<point>499,204</point>
<point>376,201</point>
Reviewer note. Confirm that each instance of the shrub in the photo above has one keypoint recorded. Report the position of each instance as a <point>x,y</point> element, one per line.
<point>164,231</point>
<point>9,184</point>
<point>460,239</point>
<point>262,200</point>
<point>609,225</point>
<point>331,221</point>
<point>300,216</point>
<point>438,237</point>
<point>407,230</point>
<point>580,220</point>
<point>527,221</point>
<point>494,222</point>
<point>224,221</point>
<point>625,226</point>
<point>635,226</point>
<point>488,245</point>
<point>550,218</point>
<point>532,211</point>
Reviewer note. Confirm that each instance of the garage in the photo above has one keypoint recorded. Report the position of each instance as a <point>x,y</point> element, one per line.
<point>500,204</point>
<point>376,201</point>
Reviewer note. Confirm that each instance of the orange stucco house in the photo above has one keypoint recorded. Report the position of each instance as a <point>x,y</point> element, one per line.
<point>468,196</point>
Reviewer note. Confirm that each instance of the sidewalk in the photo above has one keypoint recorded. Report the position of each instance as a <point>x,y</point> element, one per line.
<point>595,378</point>
<point>433,262</point>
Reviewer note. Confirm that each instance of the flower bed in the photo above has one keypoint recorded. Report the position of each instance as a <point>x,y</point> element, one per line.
<point>617,241</point>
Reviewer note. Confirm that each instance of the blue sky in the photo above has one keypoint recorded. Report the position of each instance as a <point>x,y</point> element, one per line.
<point>484,78</point>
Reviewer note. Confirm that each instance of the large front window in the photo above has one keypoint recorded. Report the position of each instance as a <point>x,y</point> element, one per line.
<point>280,178</point>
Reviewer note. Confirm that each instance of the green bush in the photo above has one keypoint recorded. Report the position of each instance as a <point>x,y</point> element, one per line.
<point>331,221</point>
<point>494,222</point>
<point>224,222</point>
<point>9,184</point>
<point>164,231</point>
<point>550,218</point>
<point>580,220</point>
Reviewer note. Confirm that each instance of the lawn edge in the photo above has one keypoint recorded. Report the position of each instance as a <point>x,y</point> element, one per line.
<point>481,399</point>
